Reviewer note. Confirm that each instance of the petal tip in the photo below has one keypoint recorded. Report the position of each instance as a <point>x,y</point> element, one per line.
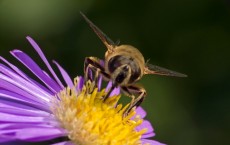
<point>15,51</point>
<point>28,38</point>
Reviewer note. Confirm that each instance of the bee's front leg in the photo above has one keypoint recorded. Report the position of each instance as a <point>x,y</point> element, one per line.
<point>93,64</point>
<point>132,91</point>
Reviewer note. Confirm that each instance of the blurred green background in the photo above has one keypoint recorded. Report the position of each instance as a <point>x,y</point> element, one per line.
<point>189,36</point>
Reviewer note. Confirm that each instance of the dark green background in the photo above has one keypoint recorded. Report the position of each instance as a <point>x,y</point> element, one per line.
<point>189,36</point>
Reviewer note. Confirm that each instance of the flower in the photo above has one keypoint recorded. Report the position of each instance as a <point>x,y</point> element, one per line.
<point>45,109</point>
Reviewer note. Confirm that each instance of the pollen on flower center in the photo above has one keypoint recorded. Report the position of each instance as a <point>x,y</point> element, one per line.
<point>91,121</point>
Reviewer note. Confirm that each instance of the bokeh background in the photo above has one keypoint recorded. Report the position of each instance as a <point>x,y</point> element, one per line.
<point>189,36</point>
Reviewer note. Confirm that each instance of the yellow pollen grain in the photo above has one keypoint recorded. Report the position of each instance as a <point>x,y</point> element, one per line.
<point>91,121</point>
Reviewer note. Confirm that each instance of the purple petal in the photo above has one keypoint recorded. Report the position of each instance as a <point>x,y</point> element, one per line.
<point>116,91</point>
<point>148,135</point>
<point>90,74</point>
<point>99,82</point>
<point>5,138</point>
<point>12,100</point>
<point>100,77</point>
<point>80,83</point>
<point>24,89</point>
<point>36,70</point>
<point>109,85</point>
<point>23,75</point>
<point>4,125</point>
<point>102,63</point>
<point>15,92</point>
<point>145,124</point>
<point>140,111</point>
<point>19,85</point>
<point>39,134</point>
<point>16,118</point>
<point>13,126</point>
<point>151,142</point>
<point>14,142</point>
<point>24,112</point>
<point>15,104</point>
<point>65,75</point>
<point>13,130</point>
<point>40,53</point>
<point>18,71</point>
<point>64,143</point>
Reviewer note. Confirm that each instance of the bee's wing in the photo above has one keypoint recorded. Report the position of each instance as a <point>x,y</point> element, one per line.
<point>153,69</point>
<point>106,40</point>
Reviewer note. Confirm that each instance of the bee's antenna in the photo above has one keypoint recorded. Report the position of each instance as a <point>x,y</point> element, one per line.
<point>106,40</point>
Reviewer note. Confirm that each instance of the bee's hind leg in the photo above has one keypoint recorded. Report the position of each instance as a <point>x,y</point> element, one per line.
<point>132,91</point>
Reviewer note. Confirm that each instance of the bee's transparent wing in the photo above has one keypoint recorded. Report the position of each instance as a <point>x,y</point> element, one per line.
<point>106,40</point>
<point>153,69</point>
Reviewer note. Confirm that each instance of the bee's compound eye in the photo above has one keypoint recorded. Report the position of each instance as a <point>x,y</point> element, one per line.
<point>122,74</point>
<point>115,62</point>
<point>136,73</point>
<point>124,63</point>
<point>120,77</point>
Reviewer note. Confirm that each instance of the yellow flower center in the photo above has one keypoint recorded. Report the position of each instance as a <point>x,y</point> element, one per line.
<point>91,121</point>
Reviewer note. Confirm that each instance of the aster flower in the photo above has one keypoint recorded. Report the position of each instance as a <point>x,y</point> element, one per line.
<point>46,108</point>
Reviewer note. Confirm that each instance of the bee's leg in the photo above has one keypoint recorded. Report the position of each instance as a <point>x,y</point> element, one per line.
<point>93,64</point>
<point>109,92</point>
<point>132,91</point>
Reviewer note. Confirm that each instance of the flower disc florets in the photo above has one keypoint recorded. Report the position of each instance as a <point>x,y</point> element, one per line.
<point>92,121</point>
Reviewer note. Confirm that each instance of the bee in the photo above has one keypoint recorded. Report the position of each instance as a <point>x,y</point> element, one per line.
<point>124,65</point>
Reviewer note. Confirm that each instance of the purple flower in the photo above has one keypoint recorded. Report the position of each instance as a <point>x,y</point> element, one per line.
<point>46,108</point>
